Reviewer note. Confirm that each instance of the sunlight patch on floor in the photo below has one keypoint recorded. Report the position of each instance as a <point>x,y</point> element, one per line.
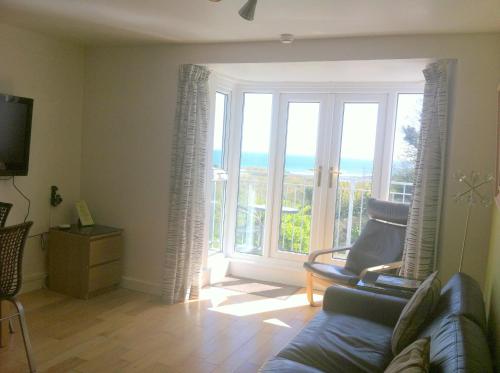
<point>217,296</point>
<point>277,322</point>
<point>252,287</point>
<point>253,304</point>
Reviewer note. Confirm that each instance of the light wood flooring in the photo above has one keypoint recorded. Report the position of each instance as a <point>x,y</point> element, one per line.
<point>128,331</point>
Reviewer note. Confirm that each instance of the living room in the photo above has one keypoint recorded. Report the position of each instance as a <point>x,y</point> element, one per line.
<point>105,126</point>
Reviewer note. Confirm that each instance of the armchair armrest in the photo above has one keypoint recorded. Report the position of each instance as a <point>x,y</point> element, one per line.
<point>383,309</point>
<point>317,253</point>
<point>382,268</point>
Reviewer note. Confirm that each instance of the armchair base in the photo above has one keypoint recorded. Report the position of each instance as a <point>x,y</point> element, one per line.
<point>311,278</point>
<point>315,273</point>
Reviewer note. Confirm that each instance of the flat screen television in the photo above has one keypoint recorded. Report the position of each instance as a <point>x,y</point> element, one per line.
<point>15,134</point>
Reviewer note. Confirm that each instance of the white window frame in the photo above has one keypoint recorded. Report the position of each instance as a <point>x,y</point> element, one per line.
<point>234,170</point>
<point>225,86</point>
<point>337,92</point>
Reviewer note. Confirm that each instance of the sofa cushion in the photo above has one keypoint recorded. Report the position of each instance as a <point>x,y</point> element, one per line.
<point>341,343</point>
<point>459,345</point>
<point>412,318</point>
<point>413,359</point>
<point>379,308</point>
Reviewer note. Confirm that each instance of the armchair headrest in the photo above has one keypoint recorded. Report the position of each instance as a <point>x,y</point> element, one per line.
<point>391,212</point>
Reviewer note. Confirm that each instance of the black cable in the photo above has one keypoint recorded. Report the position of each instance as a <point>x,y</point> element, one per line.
<point>23,195</point>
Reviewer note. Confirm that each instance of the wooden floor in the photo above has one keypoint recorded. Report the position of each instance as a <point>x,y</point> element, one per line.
<point>127,331</point>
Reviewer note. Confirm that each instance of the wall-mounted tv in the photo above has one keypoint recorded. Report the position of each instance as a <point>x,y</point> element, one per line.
<point>15,133</point>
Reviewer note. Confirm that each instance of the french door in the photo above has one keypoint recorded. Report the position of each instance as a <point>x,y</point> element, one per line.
<point>303,142</point>
<point>306,172</point>
<point>359,159</point>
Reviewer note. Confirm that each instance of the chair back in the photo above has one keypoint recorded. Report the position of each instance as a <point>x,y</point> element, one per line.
<point>12,241</point>
<point>4,212</point>
<point>382,239</point>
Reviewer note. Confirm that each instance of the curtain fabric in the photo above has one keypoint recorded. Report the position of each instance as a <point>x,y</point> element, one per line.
<point>186,218</point>
<point>424,217</point>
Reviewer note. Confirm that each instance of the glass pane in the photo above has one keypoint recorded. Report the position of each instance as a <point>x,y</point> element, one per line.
<point>298,181</point>
<point>217,216</point>
<point>220,120</point>
<point>356,165</point>
<point>254,168</point>
<point>216,224</point>
<point>405,147</point>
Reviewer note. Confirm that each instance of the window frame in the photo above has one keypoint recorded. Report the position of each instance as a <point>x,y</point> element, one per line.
<point>237,90</point>
<point>234,170</point>
<point>223,86</point>
<point>394,123</point>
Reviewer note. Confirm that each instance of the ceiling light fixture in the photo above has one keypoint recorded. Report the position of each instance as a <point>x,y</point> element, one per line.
<point>247,11</point>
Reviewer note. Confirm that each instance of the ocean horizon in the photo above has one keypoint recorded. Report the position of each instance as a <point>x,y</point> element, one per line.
<point>301,164</point>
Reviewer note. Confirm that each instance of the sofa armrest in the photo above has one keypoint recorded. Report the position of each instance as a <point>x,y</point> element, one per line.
<point>383,309</point>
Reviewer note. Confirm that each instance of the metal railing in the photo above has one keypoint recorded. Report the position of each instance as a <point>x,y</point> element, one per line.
<point>350,219</point>
<point>348,222</point>
<point>401,191</point>
<point>296,214</point>
<point>217,202</point>
<point>351,214</point>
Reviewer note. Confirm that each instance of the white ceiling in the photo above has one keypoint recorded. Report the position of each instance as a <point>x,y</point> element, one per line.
<point>329,71</point>
<point>132,21</point>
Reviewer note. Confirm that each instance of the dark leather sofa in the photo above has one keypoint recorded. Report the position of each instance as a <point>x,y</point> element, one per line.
<point>353,333</point>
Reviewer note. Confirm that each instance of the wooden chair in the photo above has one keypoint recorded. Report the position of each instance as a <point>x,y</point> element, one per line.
<point>378,248</point>
<point>4,212</point>
<point>12,242</point>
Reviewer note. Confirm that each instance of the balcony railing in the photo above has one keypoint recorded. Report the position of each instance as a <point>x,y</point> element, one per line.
<point>401,191</point>
<point>351,207</point>
<point>351,213</point>
<point>217,215</point>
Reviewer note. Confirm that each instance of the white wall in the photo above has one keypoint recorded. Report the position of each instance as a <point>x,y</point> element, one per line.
<point>50,72</point>
<point>128,119</point>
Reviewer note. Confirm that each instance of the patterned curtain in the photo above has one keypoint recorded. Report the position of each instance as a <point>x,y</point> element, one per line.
<point>187,185</point>
<point>424,217</point>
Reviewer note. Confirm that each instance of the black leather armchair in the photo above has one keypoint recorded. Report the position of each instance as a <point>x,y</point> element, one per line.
<point>378,248</point>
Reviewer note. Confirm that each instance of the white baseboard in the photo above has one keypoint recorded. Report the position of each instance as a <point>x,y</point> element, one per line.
<point>33,282</point>
<point>216,272</point>
<point>268,272</point>
<point>36,281</point>
<point>141,285</point>
<point>288,275</point>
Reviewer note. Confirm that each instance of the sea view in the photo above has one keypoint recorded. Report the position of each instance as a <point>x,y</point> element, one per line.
<point>303,164</point>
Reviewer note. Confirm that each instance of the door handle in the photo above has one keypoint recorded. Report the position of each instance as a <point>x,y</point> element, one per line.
<point>320,172</point>
<point>330,176</point>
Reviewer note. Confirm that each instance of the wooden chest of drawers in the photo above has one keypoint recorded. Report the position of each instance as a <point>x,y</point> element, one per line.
<point>84,261</point>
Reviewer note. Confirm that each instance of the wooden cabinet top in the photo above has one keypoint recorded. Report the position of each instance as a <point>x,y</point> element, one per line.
<point>95,230</point>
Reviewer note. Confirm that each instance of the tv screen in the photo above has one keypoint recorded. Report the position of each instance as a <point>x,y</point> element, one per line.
<point>15,133</point>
